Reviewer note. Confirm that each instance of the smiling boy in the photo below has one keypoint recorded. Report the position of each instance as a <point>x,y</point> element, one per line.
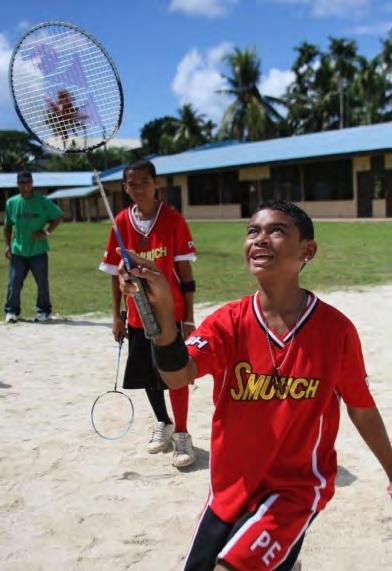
<point>282,361</point>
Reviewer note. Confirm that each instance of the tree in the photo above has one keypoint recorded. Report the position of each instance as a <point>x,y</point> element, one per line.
<point>251,116</point>
<point>18,151</point>
<point>152,132</point>
<point>343,55</point>
<point>300,93</point>
<point>192,129</point>
<point>371,103</point>
<point>320,97</point>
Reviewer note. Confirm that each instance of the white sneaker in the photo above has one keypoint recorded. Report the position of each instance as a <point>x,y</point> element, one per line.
<point>42,317</point>
<point>183,455</point>
<point>11,318</point>
<point>160,438</point>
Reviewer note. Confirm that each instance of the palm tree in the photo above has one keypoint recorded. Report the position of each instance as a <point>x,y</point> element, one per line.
<point>300,94</point>
<point>343,55</point>
<point>251,116</point>
<point>369,91</point>
<point>192,129</point>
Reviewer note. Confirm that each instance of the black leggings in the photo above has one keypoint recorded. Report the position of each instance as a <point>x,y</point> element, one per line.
<point>158,404</point>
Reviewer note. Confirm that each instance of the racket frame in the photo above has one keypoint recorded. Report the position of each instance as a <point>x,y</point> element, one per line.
<point>130,421</point>
<point>106,54</point>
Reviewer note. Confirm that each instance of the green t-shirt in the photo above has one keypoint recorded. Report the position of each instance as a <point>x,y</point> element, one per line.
<point>28,215</point>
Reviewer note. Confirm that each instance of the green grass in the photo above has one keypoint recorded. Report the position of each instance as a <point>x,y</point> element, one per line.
<point>351,254</point>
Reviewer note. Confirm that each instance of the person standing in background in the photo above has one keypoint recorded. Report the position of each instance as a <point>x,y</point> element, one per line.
<point>30,219</point>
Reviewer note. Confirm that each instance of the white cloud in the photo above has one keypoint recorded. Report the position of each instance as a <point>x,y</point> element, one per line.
<point>208,8</point>
<point>8,117</point>
<point>198,78</point>
<point>377,29</point>
<point>275,83</point>
<point>324,8</point>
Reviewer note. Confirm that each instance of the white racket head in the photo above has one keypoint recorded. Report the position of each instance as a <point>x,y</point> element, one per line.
<point>112,415</point>
<point>65,87</point>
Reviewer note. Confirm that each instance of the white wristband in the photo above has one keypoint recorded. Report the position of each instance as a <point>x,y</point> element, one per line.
<point>192,323</point>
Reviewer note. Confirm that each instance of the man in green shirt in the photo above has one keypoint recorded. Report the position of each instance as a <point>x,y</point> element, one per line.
<point>29,219</point>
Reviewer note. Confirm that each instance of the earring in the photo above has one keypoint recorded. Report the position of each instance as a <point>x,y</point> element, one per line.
<point>306,260</point>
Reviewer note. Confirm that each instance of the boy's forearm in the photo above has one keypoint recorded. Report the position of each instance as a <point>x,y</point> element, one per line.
<point>53,225</point>
<point>116,297</point>
<point>7,233</point>
<point>188,298</point>
<point>371,427</point>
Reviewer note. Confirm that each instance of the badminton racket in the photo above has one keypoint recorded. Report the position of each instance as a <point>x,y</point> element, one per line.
<point>68,95</point>
<point>112,411</point>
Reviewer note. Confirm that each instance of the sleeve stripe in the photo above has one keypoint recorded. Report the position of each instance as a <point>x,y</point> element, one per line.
<point>185,257</point>
<point>108,268</point>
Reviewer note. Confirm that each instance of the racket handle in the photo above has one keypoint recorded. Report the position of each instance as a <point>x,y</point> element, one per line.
<point>150,325</point>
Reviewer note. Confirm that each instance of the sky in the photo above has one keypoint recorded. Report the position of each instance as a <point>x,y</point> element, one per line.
<point>169,52</point>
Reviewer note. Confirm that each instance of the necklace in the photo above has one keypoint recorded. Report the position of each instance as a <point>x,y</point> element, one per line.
<point>143,225</point>
<point>276,378</point>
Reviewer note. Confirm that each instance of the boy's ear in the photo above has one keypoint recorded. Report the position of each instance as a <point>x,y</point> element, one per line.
<point>158,182</point>
<point>310,250</point>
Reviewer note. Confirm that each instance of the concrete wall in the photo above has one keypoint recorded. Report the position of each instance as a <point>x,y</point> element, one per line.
<point>329,208</point>
<point>213,212</point>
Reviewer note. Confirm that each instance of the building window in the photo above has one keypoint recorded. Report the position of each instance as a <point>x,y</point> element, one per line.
<point>214,188</point>
<point>328,180</point>
<point>286,182</point>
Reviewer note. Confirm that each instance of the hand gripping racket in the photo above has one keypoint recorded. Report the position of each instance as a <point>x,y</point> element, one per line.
<point>112,411</point>
<point>68,95</point>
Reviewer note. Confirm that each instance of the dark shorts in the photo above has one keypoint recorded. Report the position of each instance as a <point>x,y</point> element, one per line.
<point>253,542</point>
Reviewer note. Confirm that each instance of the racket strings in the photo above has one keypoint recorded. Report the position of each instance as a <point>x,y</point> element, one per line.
<point>66,88</point>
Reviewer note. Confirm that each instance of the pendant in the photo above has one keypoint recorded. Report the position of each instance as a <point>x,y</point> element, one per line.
<point>143,242</point>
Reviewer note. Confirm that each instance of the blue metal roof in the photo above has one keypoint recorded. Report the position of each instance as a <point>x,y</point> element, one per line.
<point>50,179</point>
<point>72,192</point>
<point>354,140</point>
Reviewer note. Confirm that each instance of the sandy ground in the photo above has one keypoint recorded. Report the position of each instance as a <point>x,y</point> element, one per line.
<point>72,501</point>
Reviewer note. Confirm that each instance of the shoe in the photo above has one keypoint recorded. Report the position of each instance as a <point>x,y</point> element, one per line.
<point>42,317</point>
<point>160,438</point>
<point>183,455</point>
<point>11,317</point>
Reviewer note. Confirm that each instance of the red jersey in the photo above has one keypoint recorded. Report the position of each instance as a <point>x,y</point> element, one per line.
<point>167,241</point>
<point>266,439</point>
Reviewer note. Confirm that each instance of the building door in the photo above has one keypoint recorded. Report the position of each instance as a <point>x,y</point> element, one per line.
<point>365,194</point>
<point>388,192</point>
<point>249,197</point>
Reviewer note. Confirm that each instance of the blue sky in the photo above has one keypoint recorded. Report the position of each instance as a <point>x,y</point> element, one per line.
<point>169,52</point>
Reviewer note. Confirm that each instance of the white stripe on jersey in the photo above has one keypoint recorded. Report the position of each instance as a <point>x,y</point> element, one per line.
<point>264,507</point>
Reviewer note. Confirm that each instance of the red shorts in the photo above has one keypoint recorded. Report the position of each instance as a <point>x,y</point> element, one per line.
<point>269,538</point>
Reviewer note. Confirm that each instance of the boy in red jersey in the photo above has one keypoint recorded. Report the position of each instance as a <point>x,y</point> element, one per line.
<point>158,233</point>
<point>282,361</point>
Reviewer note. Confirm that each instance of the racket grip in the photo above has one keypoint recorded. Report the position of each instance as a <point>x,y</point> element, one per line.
<point>150,325</point>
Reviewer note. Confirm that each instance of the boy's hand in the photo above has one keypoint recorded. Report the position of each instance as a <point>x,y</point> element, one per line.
<point>118,329</point>
<point>7,252</point>
<point>158,288</point>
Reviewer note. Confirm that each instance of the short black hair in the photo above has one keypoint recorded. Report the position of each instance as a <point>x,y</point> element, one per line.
<point>140,164</point>
<point>24,175</point>
<point>302,221</point>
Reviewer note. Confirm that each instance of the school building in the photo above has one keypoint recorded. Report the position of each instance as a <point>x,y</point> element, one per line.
<point>345,173</point>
